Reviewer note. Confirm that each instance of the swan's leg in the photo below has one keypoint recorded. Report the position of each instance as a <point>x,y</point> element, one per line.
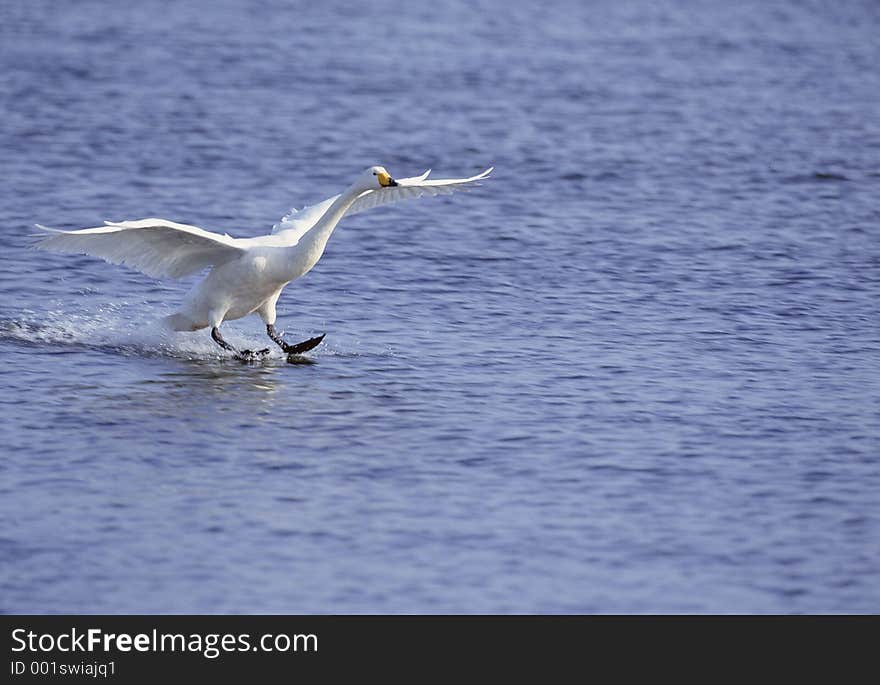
<point>299,348</point>
<point>241,354</point>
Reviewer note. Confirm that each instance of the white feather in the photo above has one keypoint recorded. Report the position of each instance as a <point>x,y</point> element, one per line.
<point>154,246</point>
<point>297,222</point>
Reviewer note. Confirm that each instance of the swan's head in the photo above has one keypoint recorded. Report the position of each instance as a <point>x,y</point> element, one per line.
<point>375,177</point>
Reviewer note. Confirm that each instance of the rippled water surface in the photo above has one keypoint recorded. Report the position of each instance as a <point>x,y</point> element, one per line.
<point>637,371</point>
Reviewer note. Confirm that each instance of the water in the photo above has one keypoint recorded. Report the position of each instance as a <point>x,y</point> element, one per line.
<point>637,371</point>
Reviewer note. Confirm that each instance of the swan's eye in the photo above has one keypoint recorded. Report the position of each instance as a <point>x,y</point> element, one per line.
<point>375,173</point>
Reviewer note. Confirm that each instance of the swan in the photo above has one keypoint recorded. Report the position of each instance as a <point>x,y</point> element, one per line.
<point>246,275</point>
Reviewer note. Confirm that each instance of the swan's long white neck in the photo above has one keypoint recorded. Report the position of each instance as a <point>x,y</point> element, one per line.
<point>311,245</point>
<point>325,225</point>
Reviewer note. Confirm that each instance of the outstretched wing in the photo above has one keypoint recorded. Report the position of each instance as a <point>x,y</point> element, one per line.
<point>297,222</point>
<point>411,188</point>
<point>154,246</point>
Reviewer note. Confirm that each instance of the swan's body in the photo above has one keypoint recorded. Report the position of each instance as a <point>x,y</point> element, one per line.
<point>247,274</point>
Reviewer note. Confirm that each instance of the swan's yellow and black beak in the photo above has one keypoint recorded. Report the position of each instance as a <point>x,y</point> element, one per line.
<point>385,180</point>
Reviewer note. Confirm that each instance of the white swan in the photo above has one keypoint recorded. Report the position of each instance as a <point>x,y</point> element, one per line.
<point>247,274</point>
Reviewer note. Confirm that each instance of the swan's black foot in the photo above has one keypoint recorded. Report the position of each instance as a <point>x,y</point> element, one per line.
<point>299,348</point>
<point>243,355</point>
<point>250,355</point>
<point>305,345</point>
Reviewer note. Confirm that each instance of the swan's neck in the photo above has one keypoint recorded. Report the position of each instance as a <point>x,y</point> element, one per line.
<point>317,236</point>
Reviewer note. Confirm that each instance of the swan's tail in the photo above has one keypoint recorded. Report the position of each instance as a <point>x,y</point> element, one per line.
<point>179,322</point>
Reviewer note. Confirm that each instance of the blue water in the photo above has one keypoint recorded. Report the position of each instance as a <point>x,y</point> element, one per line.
<point>637,371</point>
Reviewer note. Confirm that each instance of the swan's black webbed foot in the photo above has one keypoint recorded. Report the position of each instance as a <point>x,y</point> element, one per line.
<point>305,345</point>
<point>244,355</point>
<point>298,348</point>
<point>249,355</point>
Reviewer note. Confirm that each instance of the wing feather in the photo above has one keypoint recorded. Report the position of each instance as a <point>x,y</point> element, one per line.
<point>155,247</point>
<point>297,222</point>
<point>412,188</point>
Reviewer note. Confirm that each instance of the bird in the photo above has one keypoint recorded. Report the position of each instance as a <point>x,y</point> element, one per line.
<point>244,275</point>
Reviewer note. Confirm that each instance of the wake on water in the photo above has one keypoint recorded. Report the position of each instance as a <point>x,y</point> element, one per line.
<point>123,329</point>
